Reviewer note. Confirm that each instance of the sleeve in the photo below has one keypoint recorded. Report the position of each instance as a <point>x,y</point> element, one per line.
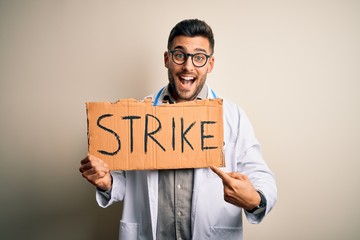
<point>251,163</point>
<point>262,178</point>
<point>116,193</point>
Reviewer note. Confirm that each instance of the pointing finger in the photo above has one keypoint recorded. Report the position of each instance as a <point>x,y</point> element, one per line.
<point>224,176</point>
<point>238,176</point>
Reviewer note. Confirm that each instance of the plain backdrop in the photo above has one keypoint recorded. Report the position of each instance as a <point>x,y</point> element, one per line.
<point>293,66</point>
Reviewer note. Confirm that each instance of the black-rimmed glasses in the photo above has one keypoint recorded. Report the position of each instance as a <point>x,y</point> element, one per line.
<point>198,59</point>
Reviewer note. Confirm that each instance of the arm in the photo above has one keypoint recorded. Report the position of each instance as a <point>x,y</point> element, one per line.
<point>254,166</point>
<point>243,190</point>
<point>248,172</point>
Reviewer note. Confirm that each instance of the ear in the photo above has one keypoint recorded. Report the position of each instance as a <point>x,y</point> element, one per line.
<point>211,64</point>
<point>166,59</point>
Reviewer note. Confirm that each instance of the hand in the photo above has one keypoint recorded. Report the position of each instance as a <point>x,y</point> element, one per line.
<point>96,171</point>
<point>238,189</point>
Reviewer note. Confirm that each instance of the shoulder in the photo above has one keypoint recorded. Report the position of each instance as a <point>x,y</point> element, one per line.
<point>232,110</point>
<point>157,95</point>
<point>236,121</point>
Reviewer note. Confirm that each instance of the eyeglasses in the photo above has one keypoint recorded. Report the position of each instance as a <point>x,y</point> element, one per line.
<point>198,59</point>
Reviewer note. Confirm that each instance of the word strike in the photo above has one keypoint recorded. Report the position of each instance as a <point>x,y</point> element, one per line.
<point>150,135</point>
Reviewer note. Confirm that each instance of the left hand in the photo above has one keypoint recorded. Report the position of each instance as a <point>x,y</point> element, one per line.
<point>238,189</point>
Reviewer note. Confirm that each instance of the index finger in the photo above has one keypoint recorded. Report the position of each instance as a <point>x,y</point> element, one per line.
<point>90,158</point>
<point>223,175</point>
<point>85,160</point>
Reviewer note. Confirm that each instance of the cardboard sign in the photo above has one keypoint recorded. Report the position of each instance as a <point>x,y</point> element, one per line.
<point>135,135</point>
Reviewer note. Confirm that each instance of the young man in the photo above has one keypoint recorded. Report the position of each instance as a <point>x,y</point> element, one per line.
<point>191,203</point>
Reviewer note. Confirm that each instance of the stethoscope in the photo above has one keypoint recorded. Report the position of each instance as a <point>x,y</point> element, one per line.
<point>156,101</point>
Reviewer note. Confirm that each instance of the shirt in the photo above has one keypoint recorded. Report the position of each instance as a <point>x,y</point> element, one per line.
<point>175,194</point>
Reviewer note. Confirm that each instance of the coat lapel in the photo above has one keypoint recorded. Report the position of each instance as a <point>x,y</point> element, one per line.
<point>152,180</point>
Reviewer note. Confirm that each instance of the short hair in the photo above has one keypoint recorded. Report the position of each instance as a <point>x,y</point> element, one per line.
<point>192,28</point>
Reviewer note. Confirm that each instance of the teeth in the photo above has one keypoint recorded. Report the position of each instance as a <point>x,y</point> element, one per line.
<point>188,78</point>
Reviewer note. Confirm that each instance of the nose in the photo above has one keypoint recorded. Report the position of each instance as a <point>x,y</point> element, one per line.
<point>188,64</point>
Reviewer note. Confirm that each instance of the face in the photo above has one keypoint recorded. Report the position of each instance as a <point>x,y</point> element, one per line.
<point>186,80</point>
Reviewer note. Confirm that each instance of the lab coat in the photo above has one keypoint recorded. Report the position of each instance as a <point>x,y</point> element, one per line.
<point>211,216</point>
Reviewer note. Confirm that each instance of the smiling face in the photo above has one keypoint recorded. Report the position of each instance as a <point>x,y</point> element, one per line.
<point>186,80</point>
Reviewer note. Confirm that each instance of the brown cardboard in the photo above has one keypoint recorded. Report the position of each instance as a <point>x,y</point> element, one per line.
<point>135,135</point>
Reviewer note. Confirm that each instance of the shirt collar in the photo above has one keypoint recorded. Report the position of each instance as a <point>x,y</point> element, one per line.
<point>166,96</point>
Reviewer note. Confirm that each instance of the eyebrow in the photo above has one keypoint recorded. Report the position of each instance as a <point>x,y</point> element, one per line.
<point>196,49</point>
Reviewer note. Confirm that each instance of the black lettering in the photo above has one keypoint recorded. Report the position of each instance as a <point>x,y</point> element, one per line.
<point>183,133</point>
<point>173,134</point>
<point>110,131</point>
<point>131,118</point>
<point>203,147</point>
<point>149,134</point>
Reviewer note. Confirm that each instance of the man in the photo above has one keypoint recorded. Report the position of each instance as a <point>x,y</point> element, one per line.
<point>191,203</point>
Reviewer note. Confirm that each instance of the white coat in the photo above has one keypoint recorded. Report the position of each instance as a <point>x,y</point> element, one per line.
<point>211,216</point>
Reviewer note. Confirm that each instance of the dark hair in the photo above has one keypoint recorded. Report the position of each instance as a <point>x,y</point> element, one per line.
<point>192,28</point>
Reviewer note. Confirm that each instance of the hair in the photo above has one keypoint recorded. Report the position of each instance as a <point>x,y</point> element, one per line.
<point>192,28</point>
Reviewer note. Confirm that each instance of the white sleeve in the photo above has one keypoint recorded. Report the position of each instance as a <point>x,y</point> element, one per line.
<point>250,162</point>
<point>262,178</point>
<point>116,193</point>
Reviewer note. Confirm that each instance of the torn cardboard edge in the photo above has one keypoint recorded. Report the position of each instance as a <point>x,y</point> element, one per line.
<point>135,135</point>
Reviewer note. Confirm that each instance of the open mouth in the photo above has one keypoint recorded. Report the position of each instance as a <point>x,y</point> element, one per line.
<point>187,80</point>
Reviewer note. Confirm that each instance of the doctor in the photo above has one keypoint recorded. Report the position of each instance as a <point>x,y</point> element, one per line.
<point>205,203</point>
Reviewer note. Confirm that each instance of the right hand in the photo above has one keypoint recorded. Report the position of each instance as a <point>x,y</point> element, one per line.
<point>96,171</point>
